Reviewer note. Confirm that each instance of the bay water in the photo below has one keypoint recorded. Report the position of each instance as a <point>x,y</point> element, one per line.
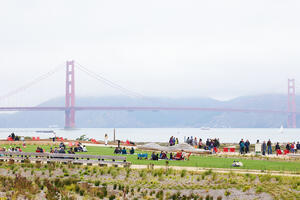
<point>226,135</point>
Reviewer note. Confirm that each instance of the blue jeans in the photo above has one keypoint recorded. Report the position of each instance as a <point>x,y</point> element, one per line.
<point>241,150</point>
<point>269,149</point>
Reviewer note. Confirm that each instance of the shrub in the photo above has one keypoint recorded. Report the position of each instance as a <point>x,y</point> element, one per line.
<point>208,172</point>
<point>259,189</point>
<point>183,173</point>
<point>227,193</point>
<point>143,173</point>
<point>77,189</point>
<point>246,188</point>
<point>81,192</point>
<point>97,183</point>
<point>104,191</point>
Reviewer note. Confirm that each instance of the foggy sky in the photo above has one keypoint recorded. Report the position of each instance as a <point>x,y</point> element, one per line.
<point>218,49</point>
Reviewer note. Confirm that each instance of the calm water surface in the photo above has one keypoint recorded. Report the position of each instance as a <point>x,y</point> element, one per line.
<point>163,134</point>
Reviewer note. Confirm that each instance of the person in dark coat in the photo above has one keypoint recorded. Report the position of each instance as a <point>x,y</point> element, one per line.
<point>269,144</point>
<point>247,146</point>
<point>242,146</point>
<point>264,148</point>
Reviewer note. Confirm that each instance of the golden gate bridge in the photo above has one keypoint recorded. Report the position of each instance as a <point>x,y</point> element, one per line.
<point>70,107</point>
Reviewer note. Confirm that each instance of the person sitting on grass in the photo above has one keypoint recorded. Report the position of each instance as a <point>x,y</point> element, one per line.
<point>62,145</point>
<point>78,148</point>
<point>178,155</point>
<point>124,151</point>
<point>62,150</point>
<point>183,155</point>
<point>51,150</point>
<point>162,155</point>
<point>117,150</point>
<point>84,148</point>
<point>71,151</point>
<point>154,156</point>
<point>131,151</point>
<point>39,150</point>
<point>18,149</point>
<point>171,156</point>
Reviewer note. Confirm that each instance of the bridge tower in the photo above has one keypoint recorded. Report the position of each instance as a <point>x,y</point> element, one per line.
<point>70,95</point>
<point>291,104</point>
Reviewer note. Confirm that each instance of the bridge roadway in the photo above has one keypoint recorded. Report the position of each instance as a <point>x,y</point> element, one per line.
<point>132,108</point>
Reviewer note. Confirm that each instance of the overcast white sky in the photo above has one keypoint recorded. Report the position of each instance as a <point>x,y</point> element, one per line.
<point>219,49</point>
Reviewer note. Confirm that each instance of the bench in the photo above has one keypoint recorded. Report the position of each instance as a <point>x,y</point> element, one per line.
<point>58,157</point>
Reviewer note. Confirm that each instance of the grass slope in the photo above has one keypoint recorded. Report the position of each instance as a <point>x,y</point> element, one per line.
<point>195,160</point>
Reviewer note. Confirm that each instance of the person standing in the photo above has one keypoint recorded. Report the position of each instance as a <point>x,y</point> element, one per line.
<point>247,146</point>
<point>171,141</point>
<point>298,146</point>
<point>277,148</point>
<point>200,143</point>
<point>288,147</point>
<point>257,147</point>
<point>242,146</point>
<point>293,147</point>
<point>269,144</point>
<point>106,139</point>
<point>263,148</point>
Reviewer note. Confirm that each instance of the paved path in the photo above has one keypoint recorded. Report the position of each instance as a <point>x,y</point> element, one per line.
<point>221,170</point>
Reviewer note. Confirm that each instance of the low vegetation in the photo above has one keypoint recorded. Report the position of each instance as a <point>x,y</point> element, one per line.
<point>69,181</point>
<point>32,182</point>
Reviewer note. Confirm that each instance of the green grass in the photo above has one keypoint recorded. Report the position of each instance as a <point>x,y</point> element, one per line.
<point>195,161</point>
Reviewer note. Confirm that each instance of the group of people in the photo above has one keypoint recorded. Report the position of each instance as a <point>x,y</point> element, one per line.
<point>62,149</point>
<point>78,147</point>
<point>210,144</point>
<point>244,146</point>
<point>180,155</point>
<point>267,148</point>
<point>119,150</point>
<point>13,149</point>
<point>173,141</point>
<point>39,150</point>
<point>292,147</point>
<point>15,137</point>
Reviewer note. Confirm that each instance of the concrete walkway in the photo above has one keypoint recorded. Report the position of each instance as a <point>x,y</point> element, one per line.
<point>220,170</point>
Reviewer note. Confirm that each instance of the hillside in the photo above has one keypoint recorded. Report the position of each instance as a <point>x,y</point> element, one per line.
<point>95,119</point>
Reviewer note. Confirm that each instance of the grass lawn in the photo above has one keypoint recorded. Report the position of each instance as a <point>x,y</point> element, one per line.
<point>195,160</point>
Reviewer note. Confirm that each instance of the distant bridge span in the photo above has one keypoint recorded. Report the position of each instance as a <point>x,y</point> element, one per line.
<point>70,107</point>
<point>135,108</point>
